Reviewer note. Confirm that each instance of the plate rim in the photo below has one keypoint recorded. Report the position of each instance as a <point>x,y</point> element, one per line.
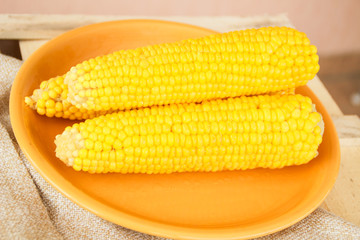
<point>124,219</point>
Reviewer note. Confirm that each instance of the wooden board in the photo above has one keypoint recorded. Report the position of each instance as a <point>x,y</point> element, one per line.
<point>35,30</point>
<point>25,26</point>
<point>320,91</point>
<point>344,198</point>
<point>27,47</point>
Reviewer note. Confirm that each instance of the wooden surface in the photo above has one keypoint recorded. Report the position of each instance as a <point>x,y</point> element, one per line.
<point>48,26</point>
<point>343,200</point>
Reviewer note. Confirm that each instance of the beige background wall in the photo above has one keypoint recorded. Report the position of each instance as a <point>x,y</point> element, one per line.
<point>332,25</point>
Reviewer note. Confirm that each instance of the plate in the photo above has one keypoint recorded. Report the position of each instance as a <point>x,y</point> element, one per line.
<point>223,205</point>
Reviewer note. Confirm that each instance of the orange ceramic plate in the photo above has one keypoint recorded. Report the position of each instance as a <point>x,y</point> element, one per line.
<point>224,205</point>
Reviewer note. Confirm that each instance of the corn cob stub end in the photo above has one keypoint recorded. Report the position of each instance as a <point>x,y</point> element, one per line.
<point>233,134</point>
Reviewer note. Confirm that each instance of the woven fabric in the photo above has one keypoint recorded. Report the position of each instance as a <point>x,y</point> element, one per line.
<point>32,209</point>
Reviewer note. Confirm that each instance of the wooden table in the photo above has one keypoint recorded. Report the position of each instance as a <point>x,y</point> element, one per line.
<point>344,200</point>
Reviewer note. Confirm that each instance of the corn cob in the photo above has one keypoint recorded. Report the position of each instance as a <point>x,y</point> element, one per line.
<point>268,131</point>
<point>51,100</point>
<point>247,62</point>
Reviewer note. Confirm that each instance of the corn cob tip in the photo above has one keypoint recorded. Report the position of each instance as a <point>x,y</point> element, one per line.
<point>67,145</point>
<point>51,100</point>
<point>320,124</point>
<point>30,102</point>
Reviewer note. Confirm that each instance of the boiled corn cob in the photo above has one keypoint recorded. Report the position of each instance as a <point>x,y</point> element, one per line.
<point>235,133</point>
<point>51,100</point>
<point>247,62</point>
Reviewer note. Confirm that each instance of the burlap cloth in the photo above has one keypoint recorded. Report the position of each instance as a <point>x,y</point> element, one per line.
<point>32,209</point>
